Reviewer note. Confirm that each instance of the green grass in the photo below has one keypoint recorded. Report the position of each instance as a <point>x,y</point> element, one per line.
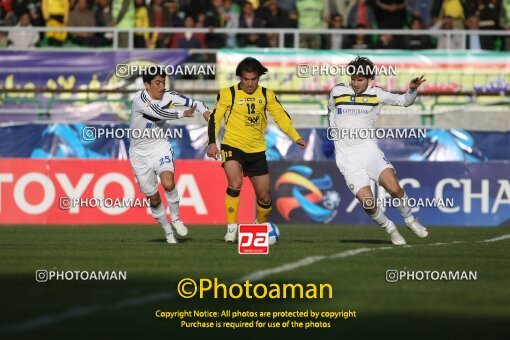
<point>417,309</point>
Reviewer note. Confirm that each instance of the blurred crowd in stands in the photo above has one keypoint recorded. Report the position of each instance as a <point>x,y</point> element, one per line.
<point>301,14</point>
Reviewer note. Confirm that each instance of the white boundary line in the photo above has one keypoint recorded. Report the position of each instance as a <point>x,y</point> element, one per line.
<point>77,312</point>
<point>503,237</point>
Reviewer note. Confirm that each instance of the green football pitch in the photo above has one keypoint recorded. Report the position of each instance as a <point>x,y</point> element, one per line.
<point>352,259</point>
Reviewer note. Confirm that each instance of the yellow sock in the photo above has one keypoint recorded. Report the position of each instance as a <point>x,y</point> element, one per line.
<point>232,204</point>
<point>263,211</point>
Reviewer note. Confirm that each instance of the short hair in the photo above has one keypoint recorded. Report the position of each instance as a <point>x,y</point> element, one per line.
<point>250,64</point>
<point>152,71</point>
<point>361,66</point>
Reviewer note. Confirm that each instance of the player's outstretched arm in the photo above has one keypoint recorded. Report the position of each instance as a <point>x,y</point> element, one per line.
<point>178,99</point>
<point>405,99</point>
<point>416,82</point>
<point>143,105</point>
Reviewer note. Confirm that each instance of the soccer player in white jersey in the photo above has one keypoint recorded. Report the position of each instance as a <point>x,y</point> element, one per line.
<point>353,107</point>
<point>153,156</point>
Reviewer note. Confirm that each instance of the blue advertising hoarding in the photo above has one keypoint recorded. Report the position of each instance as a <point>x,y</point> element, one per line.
<point>446,193</point>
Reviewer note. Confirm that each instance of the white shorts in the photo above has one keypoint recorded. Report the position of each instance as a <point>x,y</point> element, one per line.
<point>148,168</point>
<point>361,164</point>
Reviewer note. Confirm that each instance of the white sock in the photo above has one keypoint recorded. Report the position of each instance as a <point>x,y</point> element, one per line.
<point>379,217</point>
<point>159,214</point>
<point>404,208</point>
<point>172,199</point>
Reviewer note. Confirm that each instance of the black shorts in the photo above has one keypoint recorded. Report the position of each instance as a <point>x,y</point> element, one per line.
<point>253,164</point>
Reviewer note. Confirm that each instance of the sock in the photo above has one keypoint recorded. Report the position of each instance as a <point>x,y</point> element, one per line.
<point>263,211</point>
<point>404,208</point>
<point>172,199</point>
<point>232,204</point>
<point>159,214</point>
<point>380,218</point>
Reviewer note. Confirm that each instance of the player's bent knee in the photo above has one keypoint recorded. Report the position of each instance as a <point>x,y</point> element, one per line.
<point>395,191</point>
<point>155,200</point>
<point>169,186</point>
<point>235,184</point>
<point>264,198</point>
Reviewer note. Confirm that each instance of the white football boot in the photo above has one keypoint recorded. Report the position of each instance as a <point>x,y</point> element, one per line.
<point>395,236</point>
<point>170,238</point>
<point>231,233</point>
<point>180,228</point>
<point>417,228</point>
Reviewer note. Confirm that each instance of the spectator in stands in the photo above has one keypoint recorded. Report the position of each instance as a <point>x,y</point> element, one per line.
<point>201,18</point>
<point>103,17</point>
<point>335,41</point>
<point>417,42</point>
<point>193,8</point>
<point>171,15</point>
<point>249,19</point>
<point>123,14</point>
<point>275,17</point>
<point>388,42</point>
<point>391,13</point>
<point>456,42</point>
<point>157,20</point>
<point>289,6</point>
<point>504,21</point>
<point>488,13</point>
<point>341,7</point>
<point>420,9</point>
<point>8,17</point>
<point>360,41</point>
<point>26,38</point>
<point>188,39</point>
<point>56,14</point>
<point>454,9</point>
<point>232,13</point>
<point>310,16</point>
<point>7,13</point>
<point>476,41</point>
<point>81,16</point>
<point>215,18</point>
<point>35,11</point>
<point>141,21</point>
<point>172,19</point>
<point>361,14</point>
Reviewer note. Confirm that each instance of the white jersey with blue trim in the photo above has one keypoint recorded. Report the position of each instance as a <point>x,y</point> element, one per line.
<point>350,112</point>
<point>148,113</point>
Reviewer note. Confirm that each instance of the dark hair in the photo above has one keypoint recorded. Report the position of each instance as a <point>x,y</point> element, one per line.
<point>415,18</point>
<point>361,66</point>
<point>152,71</point>
<point>250,64</point>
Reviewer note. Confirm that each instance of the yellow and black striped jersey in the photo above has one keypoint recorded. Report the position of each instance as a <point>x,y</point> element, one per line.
<point>245,118</point>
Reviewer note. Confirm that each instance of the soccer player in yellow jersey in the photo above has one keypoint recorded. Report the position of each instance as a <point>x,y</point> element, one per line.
<point>243,108</point>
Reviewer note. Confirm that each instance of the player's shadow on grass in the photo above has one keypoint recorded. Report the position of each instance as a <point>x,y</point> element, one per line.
<point>162,240</point>
<point>366,241</point>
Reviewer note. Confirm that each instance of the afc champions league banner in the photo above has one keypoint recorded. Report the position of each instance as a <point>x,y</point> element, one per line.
<point>442,194</point>
<point>445,193</point>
